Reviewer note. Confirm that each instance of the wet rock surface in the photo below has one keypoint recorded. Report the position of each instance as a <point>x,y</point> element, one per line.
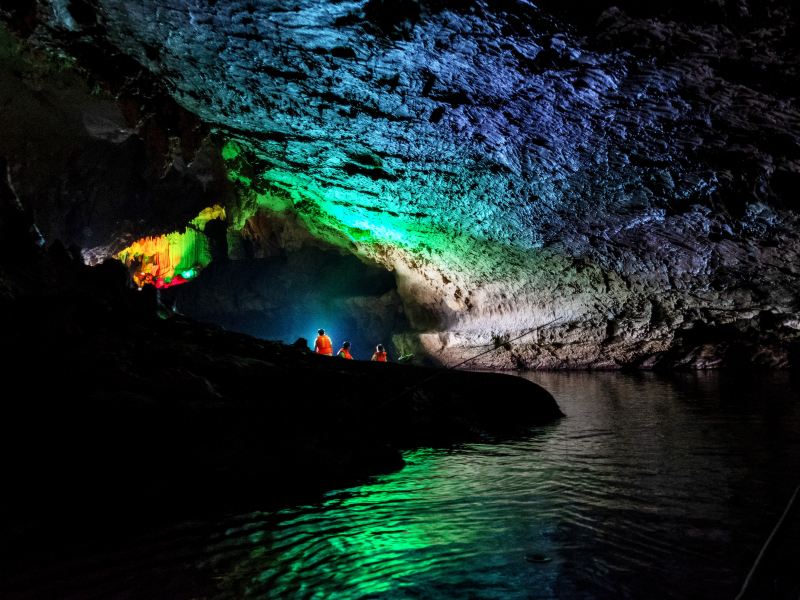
<point>629,171</point>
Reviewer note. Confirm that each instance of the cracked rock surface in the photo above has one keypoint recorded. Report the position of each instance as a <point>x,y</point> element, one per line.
<point>628,172</point>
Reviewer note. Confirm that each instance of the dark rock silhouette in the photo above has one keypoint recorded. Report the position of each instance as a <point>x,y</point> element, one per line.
<point>114,405</point>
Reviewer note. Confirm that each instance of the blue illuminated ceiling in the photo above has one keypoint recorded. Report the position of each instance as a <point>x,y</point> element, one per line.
<point>632,182</point>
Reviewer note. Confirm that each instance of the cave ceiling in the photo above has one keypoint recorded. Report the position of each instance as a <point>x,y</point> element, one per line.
<point>630,172</point>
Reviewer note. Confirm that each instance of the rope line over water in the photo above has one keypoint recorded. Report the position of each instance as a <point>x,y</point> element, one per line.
<point>749,580</point>
<point>463,362</point>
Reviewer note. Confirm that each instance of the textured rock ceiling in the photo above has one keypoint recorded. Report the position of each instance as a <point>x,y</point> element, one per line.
<point>634,177</point>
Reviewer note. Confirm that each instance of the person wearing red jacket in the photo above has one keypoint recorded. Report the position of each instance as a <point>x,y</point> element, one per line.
<point>323,344</point>
<point>344,351</point>
<point>380,354</point>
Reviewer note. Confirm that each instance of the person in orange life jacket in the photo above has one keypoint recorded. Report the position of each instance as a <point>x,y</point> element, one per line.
<point>323,344</point>
<point>344,351</point>
<point>380,354</point>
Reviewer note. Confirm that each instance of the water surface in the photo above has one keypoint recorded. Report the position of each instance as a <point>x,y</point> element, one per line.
<point>652,487</point>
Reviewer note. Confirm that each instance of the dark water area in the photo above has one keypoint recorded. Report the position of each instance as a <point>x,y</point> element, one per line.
<point>653,486</point>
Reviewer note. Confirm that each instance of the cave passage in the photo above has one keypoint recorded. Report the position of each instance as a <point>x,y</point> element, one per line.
<point>189,187</point>
<point>292,295</point>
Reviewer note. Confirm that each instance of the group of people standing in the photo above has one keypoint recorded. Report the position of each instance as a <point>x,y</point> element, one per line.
<point>323,345</point>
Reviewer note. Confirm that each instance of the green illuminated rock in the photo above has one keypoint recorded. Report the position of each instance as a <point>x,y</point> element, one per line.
<point>632,181</point>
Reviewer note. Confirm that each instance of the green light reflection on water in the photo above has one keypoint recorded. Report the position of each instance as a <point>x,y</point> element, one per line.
<point>381,554</point>
<point>367,541</point>
<point>452,523</point>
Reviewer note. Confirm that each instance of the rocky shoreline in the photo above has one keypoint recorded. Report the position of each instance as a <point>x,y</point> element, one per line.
<point>117,409</point>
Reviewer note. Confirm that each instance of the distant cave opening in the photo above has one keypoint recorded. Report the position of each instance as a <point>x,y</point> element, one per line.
<point>288,293</point>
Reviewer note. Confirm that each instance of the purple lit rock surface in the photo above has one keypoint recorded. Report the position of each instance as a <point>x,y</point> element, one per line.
<point>632,175</point>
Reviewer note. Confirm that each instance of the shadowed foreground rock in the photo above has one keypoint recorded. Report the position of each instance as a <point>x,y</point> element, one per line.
<point>116,410</point>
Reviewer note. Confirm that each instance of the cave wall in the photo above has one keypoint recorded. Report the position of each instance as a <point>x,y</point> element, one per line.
<point>629,172</point>
<point>99,167</point>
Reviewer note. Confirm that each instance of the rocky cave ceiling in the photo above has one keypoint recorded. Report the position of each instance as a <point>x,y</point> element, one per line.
<point>630,172</point>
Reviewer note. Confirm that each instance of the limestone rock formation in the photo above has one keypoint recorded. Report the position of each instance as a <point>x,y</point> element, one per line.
<point>628,172</point>
<point>115,410</point>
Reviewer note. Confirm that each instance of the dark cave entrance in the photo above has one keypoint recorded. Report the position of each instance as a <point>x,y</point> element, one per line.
<point>292,294</point>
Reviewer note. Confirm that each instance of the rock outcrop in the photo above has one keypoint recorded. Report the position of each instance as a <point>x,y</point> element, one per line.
<point>116,410</point>
<point>629,172</point>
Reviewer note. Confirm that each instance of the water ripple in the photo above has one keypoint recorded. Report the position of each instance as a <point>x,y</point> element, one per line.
<point>650,488</point>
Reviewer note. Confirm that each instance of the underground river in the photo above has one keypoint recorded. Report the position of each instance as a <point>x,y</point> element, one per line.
<point>657,486</point>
